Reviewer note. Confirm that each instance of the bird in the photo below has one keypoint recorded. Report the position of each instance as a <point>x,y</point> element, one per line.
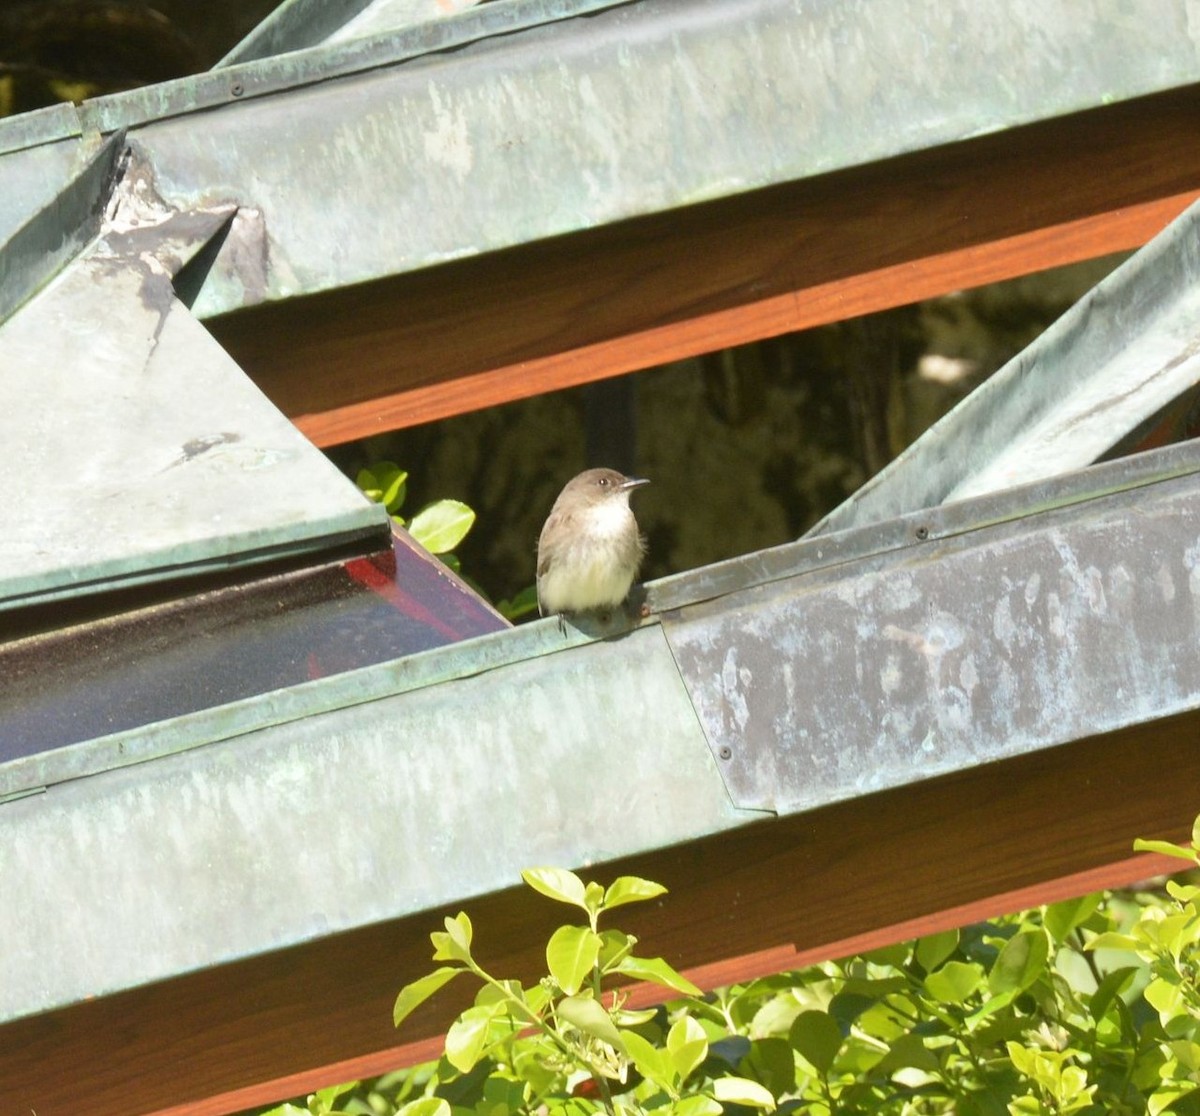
<point>590,548</point>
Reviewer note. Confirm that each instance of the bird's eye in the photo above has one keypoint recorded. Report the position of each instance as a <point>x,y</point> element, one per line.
<point>603,482</point>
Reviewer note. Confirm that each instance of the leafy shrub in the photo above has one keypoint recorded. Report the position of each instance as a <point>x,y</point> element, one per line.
<point>1090,1006</point>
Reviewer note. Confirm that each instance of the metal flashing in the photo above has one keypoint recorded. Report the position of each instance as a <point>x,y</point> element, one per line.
<point>532,123</point>
<point>1123,352</point>
<point>955,649</point>
<point>135,448</point>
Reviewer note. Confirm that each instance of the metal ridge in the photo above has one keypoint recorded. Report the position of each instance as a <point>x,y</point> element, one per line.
<point>261,77</point>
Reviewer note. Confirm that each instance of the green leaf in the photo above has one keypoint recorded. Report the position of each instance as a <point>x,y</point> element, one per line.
<point>425,1106</point>
<point>455,943</point>
<point>522,604</point>
<point>585,1014</point>
<point>687,1044</point>
<point>955,982</point>
<point>614,945</point>
<point>1166,997</point>
<point>657,971</point>
<point>817,1038</point>
<point>1061,918</point>
<point>383,482</point>
<point>440,527</point>
<point>1164,847</point>
<point>1021,961</point>
<point>696,1105</point>
<point>631,889</point>
<point>935,948</point>
<point>741,1090</point>
<point>326,1098</point>
<point>908,1051</point>
<point>593,897</point>
<point>557,883</point>
<point>467,1037</point>
<point>1110,939</point>
<point>570,954</point>
<point>651,1062</point>
<point>415,994</point>
<point>771,1063</point>
<point>1109,988</point>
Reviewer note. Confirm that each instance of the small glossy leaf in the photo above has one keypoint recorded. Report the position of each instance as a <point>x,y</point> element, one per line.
<point>687,1045</point>
<point>651,1062</point>
<point>391,479</point>
<point>697,1105</point>
<point>770,1062</point>
<point>425,1106</point>
<point>556,883</point>
<point>1166,997</point>
<point>935,948</point>
<point>467,1038</point>
<point>415,994</point>
<point>817,1038</point>
<point>1113,984</point>
<point>908,1052</point>
<point>1021,961</point>
<point>1061,918</point>
<point>1110,939</point>
<point>440,527</point>
<point>454,944</point>
<point>633,1017</point>
<point>955,982</point>
<point>614,945</point>
<point>657,971</point>
<point>1164,847</point>
<point>1181,892</point>
<point>631,889</point>
<point>326,1098</point>
<point>741,1090</point>
<point>587,1015</point>
<point>570,955</point>
<point>593,897</point>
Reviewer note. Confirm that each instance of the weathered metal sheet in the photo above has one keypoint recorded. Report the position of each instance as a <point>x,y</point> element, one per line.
<point>1110,363</point>
<point>93,675</point>
<point>957,645</point>
<point>298,24</point>
<point>57,233</point>
<point>247,844</point>
<point>518,121</point>
<point>133,447</point>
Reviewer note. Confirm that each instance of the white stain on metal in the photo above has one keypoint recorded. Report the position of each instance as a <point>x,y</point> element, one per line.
<point>733,679</point>
<point>448,143</point>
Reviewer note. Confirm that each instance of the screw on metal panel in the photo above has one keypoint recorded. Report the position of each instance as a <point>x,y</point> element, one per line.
<point>922,533</point>
<point>726,752</point>
<point>237,89</point>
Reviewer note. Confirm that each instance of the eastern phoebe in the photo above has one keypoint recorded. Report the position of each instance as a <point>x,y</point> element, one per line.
<point>590,548</point>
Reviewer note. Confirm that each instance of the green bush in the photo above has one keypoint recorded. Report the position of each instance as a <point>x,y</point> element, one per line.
<point>1090,1007</point>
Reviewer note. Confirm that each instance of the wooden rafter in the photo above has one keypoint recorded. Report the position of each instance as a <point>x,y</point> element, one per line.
<point>563,312</point>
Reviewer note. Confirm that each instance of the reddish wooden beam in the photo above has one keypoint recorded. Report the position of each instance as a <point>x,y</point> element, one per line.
<point>798,887</point>
<point>484,331</point>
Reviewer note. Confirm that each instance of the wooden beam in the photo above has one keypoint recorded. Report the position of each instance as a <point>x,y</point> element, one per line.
<point>559,313</point>
<point>787,890</point>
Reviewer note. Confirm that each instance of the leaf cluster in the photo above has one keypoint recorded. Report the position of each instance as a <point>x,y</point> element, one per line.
<point>438,527</point>
<point>1090,1007</point>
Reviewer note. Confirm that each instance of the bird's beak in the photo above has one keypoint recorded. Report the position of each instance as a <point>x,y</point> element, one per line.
<point>633,482</point>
